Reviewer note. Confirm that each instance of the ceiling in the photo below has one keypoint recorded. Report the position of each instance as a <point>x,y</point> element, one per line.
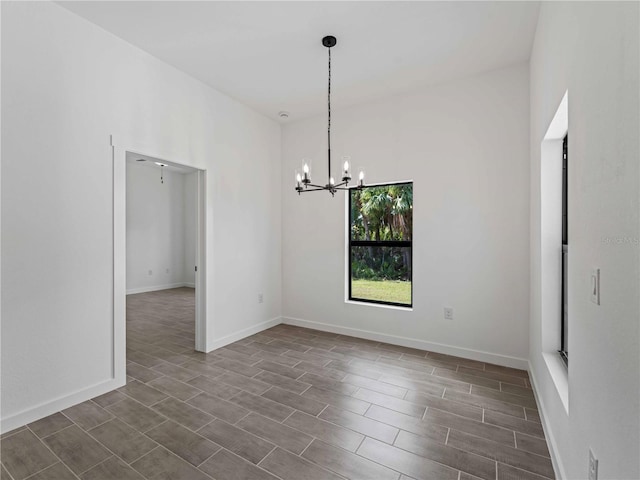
<point>269,56</point>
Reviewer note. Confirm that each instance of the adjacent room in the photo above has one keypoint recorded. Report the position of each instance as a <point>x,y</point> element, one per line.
<point>320,240</point>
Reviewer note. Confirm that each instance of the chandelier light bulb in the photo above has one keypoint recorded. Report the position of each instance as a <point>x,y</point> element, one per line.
<point>305,169</point>
<point>298,178</point>
<point>332,181</point>
<point>346,166</point>
<point>361,176</point>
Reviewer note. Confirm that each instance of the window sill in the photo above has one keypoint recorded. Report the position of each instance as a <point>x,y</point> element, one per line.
<point>560,376</point>
<point>380,305</point>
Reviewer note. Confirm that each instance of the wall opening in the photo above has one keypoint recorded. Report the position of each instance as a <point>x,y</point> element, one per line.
<point>555,257</point>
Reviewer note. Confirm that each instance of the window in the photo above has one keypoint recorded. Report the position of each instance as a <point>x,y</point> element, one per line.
<point>564,318</point>
<point>380,251</point>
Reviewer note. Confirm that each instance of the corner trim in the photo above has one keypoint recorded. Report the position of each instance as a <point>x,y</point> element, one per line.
<point>495,358</point>
<point>244,333</point>
<point>558,467</point>
<point>44,409</point>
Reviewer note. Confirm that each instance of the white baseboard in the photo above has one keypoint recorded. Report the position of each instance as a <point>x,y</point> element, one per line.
<point>244,333</point>
<point>495,358</point>
<point>558,468</point>
<point>155,288</point>
<point>44,409</point>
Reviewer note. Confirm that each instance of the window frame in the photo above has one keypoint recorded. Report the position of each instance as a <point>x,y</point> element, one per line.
<point>376,243</point>
<point>564,317</point>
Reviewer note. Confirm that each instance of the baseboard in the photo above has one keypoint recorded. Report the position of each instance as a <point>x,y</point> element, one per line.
<point>44,409</point>
<point>504,360</point>
<point>548,432</point>
<point>155,288</point>
<point>244,333</point>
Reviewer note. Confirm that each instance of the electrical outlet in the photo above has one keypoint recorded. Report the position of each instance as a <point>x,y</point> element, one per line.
<point>448,313</point>
<point>593,466</point>
<point>150,272</point>
<point>260,298</point>
<point>595,286</point>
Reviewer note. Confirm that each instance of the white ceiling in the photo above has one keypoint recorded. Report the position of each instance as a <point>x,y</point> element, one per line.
<point>269,55</point>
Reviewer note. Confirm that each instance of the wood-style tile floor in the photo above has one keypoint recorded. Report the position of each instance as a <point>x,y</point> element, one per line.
<point>288,403</point>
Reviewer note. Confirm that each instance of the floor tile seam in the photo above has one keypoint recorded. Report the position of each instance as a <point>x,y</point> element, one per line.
<point>481,457</point>
<point>494,379</point>
<point>382,464</point>
<point>500,445</point>
<point>42,470</point>
<point>245,430</point>
<point>490,399</point>
<point>440,424</point>
<point>418,417</point>
<point>518,429</point>
<point>401,429</point>
<point>114,453</point>
<point>289,406</point>
<point>353,453</point>
<point>489,408</point>
<point>57,431</point>
<point>178,422</point>
<point>288,426</point>
<point>180,459</point>
<point>381,393</point>
<point>41,440</point>
<point>313,437</point>
<point>99,463</point>
<point>524,470</point>
<point>257,465</point>
<point>179,399</point>
<point>99,424</point>
<point>11,477</point>
<point>169,450</point>
<point>266,456</point>
<point>291,414</point>
<point>145,406</point>
<point>220,447</point>
<point>479,394</point>
<point>151,405</point>
<point>13,432</point>
<point>355,431</point>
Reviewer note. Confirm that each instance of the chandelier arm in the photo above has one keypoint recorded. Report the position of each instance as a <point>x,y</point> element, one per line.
<point>311,190</point>
<point>316,186</point>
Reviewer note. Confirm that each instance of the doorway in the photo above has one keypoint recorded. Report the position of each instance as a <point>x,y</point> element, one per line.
<point>164,259</point>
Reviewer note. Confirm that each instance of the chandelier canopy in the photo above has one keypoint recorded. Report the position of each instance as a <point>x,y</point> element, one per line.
<point>303,180</point>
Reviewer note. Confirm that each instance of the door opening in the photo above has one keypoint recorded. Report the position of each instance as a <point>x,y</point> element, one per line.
<point>164,267</point>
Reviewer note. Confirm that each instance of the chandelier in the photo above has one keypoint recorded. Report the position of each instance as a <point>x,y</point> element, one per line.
<point>303,180</point>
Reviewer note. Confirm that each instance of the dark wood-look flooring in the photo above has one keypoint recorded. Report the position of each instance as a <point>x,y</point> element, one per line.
<point>288,403</point>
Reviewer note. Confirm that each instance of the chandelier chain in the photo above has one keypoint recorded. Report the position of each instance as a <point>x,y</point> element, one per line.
<point>329,114</point>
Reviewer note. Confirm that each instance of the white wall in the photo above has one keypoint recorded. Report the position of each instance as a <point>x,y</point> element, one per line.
<point>592,50</point>
<point>464,144</point>
<point>156,229</point>
<point>66,86</point>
